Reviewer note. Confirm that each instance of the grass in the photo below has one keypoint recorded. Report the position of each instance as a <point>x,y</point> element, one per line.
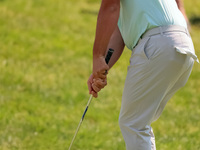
<point>45,60</point>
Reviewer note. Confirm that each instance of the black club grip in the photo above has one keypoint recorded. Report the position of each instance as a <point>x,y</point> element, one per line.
<point>109,54</point>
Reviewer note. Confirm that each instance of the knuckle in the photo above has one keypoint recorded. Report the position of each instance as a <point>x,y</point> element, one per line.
<point>96,89</point>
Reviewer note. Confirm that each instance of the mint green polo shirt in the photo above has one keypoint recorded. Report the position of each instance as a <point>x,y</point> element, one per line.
<point>137,16</point>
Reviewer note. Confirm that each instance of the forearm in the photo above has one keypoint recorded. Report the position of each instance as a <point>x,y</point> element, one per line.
<point>180,5</point>
<point>117,44</point>
<point>106,23</point>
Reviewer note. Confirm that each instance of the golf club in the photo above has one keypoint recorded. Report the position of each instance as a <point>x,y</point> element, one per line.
<point>108,56</point>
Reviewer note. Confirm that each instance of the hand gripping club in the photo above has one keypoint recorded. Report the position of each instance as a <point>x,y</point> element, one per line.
<point>107,59</point>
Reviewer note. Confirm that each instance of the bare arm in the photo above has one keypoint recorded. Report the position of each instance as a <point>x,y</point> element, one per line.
<point>116,43</point>
<point>181,8</point>
<point>106,24</point>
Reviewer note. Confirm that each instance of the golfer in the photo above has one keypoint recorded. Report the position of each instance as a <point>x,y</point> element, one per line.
<point>161,62</point>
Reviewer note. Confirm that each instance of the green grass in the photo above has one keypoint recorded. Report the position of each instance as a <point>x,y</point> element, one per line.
<point>45,60</point>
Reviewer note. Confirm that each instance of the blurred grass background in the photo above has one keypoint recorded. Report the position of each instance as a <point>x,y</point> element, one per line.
<point>45,61</point>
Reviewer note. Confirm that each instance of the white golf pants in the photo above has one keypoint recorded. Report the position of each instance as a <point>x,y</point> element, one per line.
<point>160,64</point>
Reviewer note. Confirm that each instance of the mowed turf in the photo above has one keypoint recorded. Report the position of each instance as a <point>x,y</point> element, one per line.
<point>45,61</point>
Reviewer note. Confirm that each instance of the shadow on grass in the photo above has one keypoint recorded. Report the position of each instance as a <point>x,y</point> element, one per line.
<point>195,20</point>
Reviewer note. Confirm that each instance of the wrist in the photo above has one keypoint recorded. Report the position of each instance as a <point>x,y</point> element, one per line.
<point>98,57</point>
<point>99,64</point>
<point>98,51</point>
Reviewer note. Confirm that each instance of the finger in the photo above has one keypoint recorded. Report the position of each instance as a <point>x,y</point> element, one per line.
<point>94,94</point>
<point>89,83</point>
<point>104,71</point>
<point>100,75</point>
<point>95,87</point>
<point>89,87</point>
<point>100,83</point>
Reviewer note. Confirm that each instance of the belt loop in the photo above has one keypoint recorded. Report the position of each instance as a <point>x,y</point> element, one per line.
<point>161,32</point>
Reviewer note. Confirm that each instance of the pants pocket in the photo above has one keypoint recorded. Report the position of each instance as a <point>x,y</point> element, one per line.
<point>149,48</point>
<point>186,51</point>
<point>139,56</point>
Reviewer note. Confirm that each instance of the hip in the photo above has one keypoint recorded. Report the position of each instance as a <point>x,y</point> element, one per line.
<point>163,42</point>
